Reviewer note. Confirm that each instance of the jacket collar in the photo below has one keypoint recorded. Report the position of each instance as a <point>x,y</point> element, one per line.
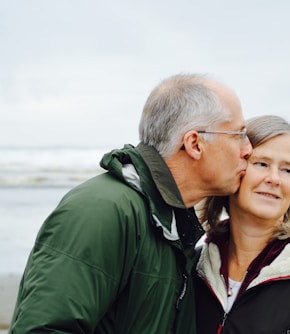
<point>209,267</point>
<point>161,175</point>
<point>145,170</point>
<point>266,266</point>
<point>185,219</point>
<point>131,165</point>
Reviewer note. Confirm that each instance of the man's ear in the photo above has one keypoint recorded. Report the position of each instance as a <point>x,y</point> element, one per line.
<point>193,144</point>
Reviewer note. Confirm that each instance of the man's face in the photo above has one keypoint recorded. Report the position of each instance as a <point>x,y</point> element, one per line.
<point>225,157</point>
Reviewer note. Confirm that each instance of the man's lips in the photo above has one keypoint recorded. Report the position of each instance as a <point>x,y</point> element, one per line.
<point>242,173</point>
<point>243,170</point>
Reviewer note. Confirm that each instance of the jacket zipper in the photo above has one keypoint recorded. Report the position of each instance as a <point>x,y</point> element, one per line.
<point>183,291</point>
<point>179,301</point>
<point>221,326</point>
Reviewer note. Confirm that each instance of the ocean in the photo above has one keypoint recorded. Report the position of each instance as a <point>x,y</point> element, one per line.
<point>32,182</point>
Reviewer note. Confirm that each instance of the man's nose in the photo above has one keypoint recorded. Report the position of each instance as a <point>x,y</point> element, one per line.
<point>246,148</point>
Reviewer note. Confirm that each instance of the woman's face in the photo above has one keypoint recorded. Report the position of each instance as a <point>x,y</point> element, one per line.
<point>265,189</point>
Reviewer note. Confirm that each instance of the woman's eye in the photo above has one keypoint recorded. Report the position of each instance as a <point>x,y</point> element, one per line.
<point>261,164</point>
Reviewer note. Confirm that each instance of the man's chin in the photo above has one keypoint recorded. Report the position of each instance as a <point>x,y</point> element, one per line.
<point>234,189</point>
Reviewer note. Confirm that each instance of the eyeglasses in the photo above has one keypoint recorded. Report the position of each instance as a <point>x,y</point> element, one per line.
<point>242,134</point>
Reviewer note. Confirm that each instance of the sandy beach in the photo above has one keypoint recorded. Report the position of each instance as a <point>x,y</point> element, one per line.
<point>8,292</point>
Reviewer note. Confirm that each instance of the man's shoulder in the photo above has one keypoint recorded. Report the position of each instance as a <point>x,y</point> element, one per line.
<point>102,190</point>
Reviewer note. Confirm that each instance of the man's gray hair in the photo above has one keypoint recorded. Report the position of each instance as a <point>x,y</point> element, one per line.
<point>178,104</point>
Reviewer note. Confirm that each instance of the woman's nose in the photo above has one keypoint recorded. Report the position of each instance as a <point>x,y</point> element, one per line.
<point>273,177</point>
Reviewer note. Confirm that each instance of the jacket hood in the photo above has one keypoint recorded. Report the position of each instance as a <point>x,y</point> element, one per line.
<point>143,169</point>
<point>128,165</point>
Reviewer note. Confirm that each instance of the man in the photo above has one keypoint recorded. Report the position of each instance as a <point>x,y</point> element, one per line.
<point>115,254</point>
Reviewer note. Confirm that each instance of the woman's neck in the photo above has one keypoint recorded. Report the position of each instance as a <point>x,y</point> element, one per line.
<point>245,244</point>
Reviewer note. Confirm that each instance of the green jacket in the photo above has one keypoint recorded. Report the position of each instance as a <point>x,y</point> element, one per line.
<point>109,260</point>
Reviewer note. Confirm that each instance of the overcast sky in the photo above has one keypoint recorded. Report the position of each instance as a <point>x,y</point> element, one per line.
<point>77,72</point>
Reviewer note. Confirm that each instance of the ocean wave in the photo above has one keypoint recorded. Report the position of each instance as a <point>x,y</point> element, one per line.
<point>49,167</point>
<point>47,180</point>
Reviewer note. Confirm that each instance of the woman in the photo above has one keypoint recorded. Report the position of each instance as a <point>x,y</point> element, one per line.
<point>243,274</point>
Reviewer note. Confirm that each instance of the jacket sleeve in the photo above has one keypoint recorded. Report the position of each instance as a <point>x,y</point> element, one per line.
<point>80,262</point>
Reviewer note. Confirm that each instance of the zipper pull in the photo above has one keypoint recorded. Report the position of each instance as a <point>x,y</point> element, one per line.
<point>179,300</point>
<point>221,326</point>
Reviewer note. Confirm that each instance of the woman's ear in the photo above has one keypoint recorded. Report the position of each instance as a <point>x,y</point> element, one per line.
<point>193,144</point>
